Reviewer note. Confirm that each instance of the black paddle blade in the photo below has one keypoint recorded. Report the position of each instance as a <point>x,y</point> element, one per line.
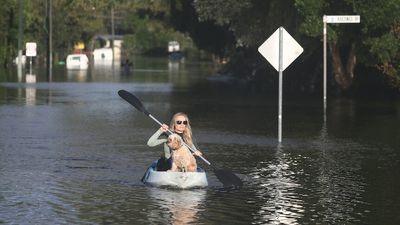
<point>133,100</point>
<point>227,178</point>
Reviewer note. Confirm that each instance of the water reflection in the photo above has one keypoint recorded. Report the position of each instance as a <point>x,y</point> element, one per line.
<point>30,78</point>
<point>77,75</point>
<point>173,66</point>
<point>278,190</point>
<point>176,207</point>
<point>137,70</point>
<point>340,185</point>
<point>30,96</point>
<point>320,182</point>
<point>30,92</point>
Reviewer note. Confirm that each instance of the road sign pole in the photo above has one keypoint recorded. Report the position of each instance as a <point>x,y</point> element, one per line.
<point>280,84</point>
<point>333,19</point>
<point>280,50</point>
<point>30,64</point>
<point>30,52</point>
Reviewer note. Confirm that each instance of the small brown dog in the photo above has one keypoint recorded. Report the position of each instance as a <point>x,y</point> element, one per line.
<point>182,158</point>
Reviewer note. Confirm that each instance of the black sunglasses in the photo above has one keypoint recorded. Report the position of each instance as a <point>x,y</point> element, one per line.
<point>180,122</point>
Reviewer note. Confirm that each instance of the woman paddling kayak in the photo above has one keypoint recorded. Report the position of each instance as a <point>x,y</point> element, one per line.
<point>180,125</point>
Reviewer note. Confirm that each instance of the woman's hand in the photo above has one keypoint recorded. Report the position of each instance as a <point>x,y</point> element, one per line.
<point>197,153</point>
<point>164,128</point>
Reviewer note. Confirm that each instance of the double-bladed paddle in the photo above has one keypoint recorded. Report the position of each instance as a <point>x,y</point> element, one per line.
<point>227,178</point>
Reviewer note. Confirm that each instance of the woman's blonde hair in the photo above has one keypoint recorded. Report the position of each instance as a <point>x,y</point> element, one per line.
<point>187,133</point>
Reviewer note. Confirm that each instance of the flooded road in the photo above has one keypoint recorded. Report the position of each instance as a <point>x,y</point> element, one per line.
<point>73,152</point>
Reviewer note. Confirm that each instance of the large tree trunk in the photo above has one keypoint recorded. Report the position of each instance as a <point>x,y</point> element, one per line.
<point>343,75</point>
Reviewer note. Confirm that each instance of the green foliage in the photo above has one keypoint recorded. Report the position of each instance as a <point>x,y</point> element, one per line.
<point>145,21</point>
<point>385,53</point>
<point>8,30</point>
<point>219,26</point>
<point>221,11</point>
<point>312,16</point>
<point>251,21</point>
<point>385,47</point>
<point>150,34</point>
<point>152,7</point>
<point>77,20</point>
<point>73,21</point>
<point>376,38</point>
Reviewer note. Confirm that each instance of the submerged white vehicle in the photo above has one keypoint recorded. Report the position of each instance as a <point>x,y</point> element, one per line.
<point>77,62</point>
<point>182,180</point>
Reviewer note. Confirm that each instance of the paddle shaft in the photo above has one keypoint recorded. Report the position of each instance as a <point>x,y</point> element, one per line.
<point>190,148</point>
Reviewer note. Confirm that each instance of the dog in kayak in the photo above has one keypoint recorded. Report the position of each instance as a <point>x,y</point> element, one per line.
<point>182,159</point>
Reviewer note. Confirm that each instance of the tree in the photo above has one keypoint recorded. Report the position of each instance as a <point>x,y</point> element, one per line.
<point>77,21</point>
<point>373,42</point>
<point>181,16</point>
<point>148,28</point>
<point>8,30</point>
<point>249,20</point>
<point>214,38</point>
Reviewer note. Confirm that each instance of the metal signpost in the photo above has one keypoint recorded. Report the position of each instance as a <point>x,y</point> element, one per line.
<point>31,52</point>
<point>334,19</point>
<point>280,50</point>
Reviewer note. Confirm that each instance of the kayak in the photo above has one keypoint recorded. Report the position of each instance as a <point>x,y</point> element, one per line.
<point>182,180</point>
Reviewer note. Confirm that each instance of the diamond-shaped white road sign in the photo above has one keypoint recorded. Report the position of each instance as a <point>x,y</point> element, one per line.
<point>290,49</point>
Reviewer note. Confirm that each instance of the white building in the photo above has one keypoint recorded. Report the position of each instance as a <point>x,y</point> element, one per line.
<point>104,55</point>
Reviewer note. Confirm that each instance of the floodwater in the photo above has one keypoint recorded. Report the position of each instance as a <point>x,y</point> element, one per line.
<point>73,152</point>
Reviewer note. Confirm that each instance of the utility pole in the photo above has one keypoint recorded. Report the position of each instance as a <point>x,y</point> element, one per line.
<point>112,35</point>
<point>50,40</point>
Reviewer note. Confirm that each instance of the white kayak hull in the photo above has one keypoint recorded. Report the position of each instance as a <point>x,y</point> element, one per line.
<point>183,180</point>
